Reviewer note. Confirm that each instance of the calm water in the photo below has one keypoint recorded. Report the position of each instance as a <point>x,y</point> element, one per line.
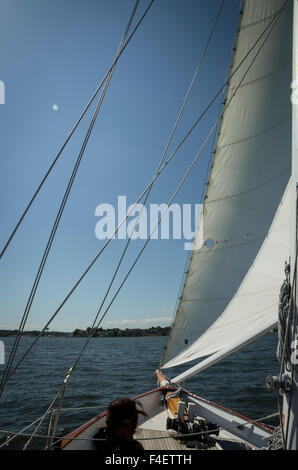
<point>115,367</point>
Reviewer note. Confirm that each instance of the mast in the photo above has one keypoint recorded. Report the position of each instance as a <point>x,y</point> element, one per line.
<point>290,397</point>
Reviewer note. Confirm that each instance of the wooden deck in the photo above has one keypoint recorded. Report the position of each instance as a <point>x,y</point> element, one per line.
<point>157,440</point>
<point>160,440</point>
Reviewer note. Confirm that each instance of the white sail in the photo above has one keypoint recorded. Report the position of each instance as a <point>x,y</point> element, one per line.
<point>249,174</point>
<point>254,308</point>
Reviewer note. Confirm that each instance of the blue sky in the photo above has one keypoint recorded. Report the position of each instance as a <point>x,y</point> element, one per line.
<point>56,53</point>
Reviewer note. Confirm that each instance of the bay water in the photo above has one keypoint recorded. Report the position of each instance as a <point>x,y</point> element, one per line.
<point>115,367</point>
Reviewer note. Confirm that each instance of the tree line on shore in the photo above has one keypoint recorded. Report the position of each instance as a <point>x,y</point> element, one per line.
<point>116,332</point>
<point>99,332</point>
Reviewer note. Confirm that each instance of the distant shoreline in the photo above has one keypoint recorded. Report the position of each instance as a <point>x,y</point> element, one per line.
<point>99,332</point>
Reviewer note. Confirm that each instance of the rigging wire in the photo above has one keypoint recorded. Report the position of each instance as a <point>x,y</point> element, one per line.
<point>47,412</point>
<point>171,200</point>
<point>20,432</point>
<point>52,410</point>
<point>61,209</point>
<point>72,132</point>
<point>33,291</point>
<point>93,328</point>
<point>272,23</point>
<point>224,109</point>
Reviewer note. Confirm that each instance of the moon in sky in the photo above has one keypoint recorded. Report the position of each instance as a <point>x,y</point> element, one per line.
<point>55,107</point>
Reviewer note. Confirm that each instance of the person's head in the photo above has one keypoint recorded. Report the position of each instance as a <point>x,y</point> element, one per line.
<point>122,419</point>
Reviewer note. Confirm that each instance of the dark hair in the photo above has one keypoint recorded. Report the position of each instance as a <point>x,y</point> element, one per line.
<point>120,410</point>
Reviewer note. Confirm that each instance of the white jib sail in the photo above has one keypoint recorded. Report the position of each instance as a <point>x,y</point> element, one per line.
<point>250,171</point>
<point>254,309</point>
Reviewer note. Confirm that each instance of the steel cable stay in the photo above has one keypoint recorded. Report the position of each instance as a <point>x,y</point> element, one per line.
<point>12,355</point>
<point>72,131</point>
<point>272,23</point>
<point>60,391</point>
<point>83,113</point>
<point>178,188</point>
<point>31,297</point>
<point>94,326</point>
<point>50,410</point>
<point>165,151</point>
<point>57,395</point>
<point>14,435</point>
<point>60,212</point>
<point>171,200</point>
<point>71,370</point>
<point>39,421</point>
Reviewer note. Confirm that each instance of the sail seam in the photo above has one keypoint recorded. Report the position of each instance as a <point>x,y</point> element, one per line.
<point>230,247</point>
<point>266,292</point>
<point>256,135</point>
<point>203,299</point>
<point>262,20</point>
<point>255,188</point>
<point>264,76</point>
